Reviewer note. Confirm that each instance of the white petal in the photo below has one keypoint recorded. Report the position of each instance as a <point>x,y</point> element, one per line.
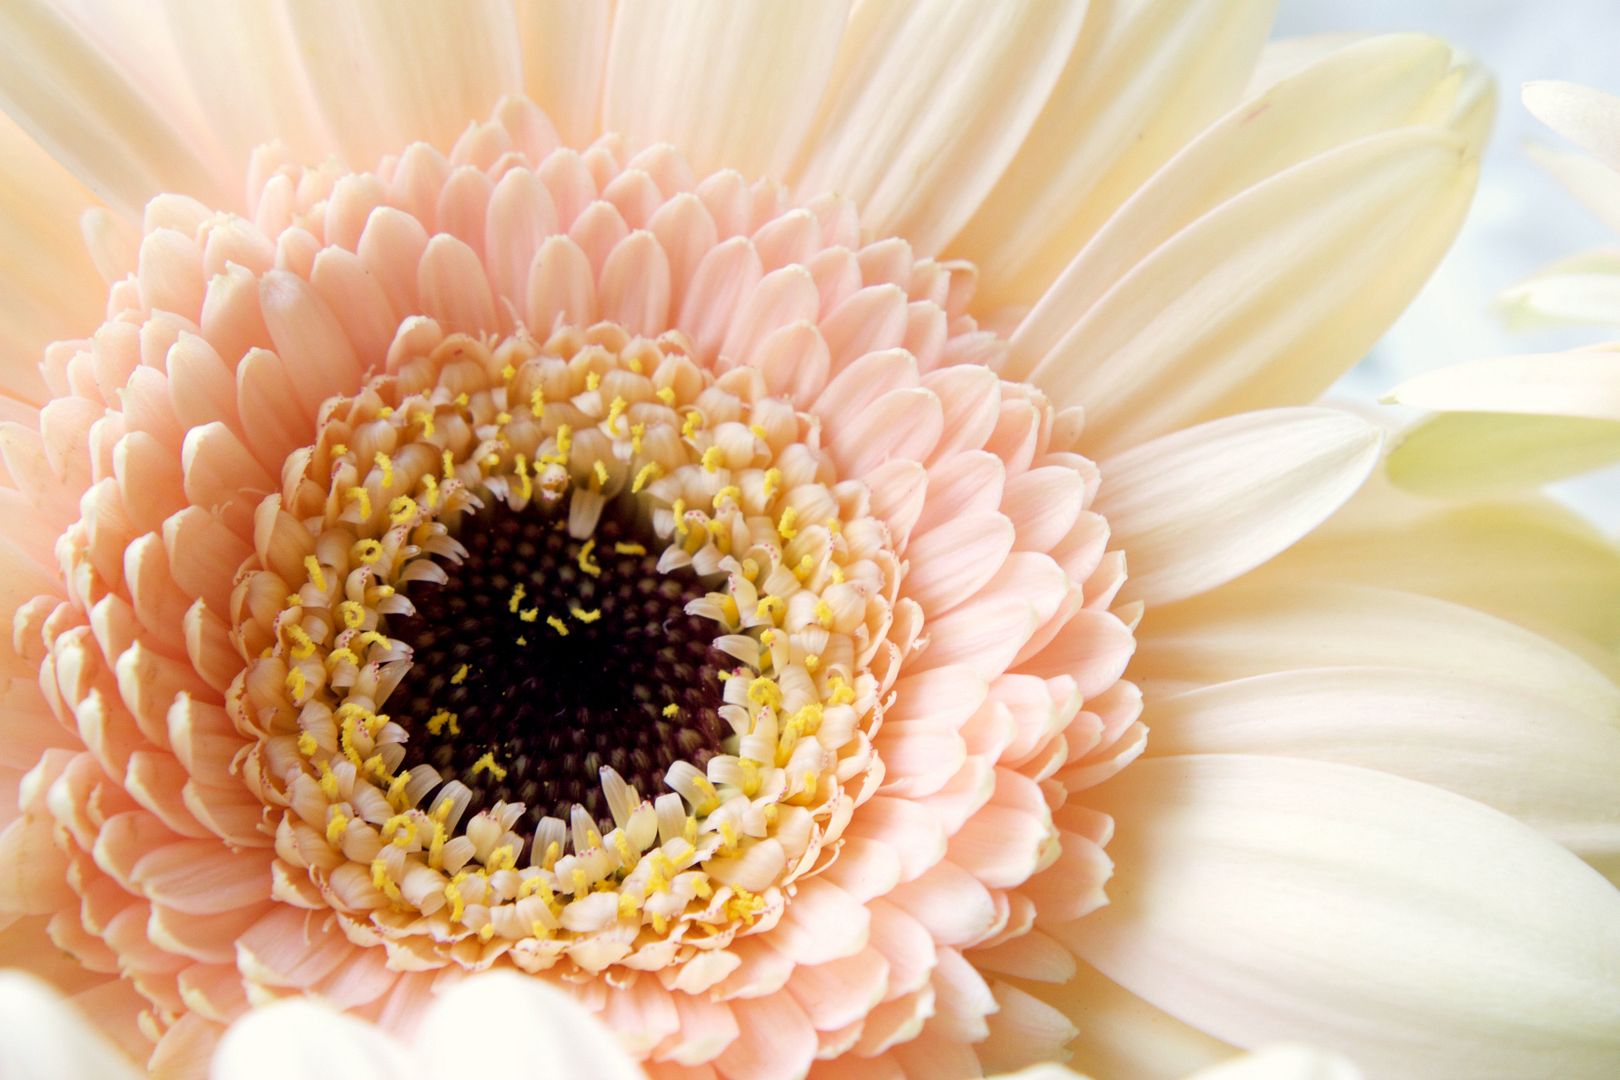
<point>1594,184</point>
<point>1198,508</point>
<point>1282,1062</point>
<point>1587,117</point>
<point>1417,932</point>
<point>1142,80</point>
<point>1371,86</point>
<point>298,1039</point>
<point>565,45</point>
<point>929,103</point>
<point>1269,297</point>
<point>77,105</point>
<point>45,1037</point>
<point>1566,297</point>
<point>1579,383</point>
<point>386,75</point>
<point>733,86</point>
<point>1523,750</point>
<point>536,1022</point>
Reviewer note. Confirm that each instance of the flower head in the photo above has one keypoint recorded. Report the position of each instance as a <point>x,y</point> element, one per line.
<point>651,548</point>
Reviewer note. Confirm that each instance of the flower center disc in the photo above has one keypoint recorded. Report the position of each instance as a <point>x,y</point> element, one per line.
<point>543,658</point>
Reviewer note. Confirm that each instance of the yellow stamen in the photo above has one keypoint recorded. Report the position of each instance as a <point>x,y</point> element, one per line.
<point>352,614</point>
<point>386,464</point>
<point>557,625</point>
<point>824,613</point>
<point>629,549</point>
<point>303,648</point>
<point>593,379</point>
<point>367,551</point>
<point>486,763</point>
<point>296,683</point>
<point>585,616</point>
<point>316,578</point>
<point>769,607</point>
<point>449,461</point>
<point>730,491</point>
<point>585,562</point>
<point>666,394</point>
<point>460,676</point>
<point>785,527</point>
<point>516,600</point>
<point>336,826</point>
<point>649,472</point>
<point>537,401</point>
<point>426,420</point>
<point>692,424</point>
<point>306,744</point>
<point>401,509</point>
<point>773,482</point>
<point>713,458</point>
<point>363,497</point>
<point>601,473</point>
<point>615,411</point>
<point>431,483</point>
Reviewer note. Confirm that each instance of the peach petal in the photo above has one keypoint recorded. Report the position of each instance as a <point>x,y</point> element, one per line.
<point>197,877</point>
<point>1044,504</point>
<point>562,286</point>
<point>154,780</point>
<point>723,280</point>
<point>950,902</point>
<point>705,1029</point>
<point>170,273</point>
<point>453,288</point>
<point>202,388</point>
<point>871,320</point>
<point>840,992</point>
<point>356,297</point>
<point>783,297</point>
<point>204,554</point>
<point>597,231</point>
<point>391,247</point>
<point>462,207</point>
<point>859,386</point>
<point>968,483</point>
<point>822,923</point>
<point>775,1040</point>
<point>794,361</point>
<point>687,233</point>
<point>901,424</point>
<point>954,561</point>
<point>520,217</point>
<point>634,286</point>
<point>270,407</point>
<point>865,869</point>
<point>1034,956</point>
<point>896,1021</point>
<point>962,1000</point>
<point>914,837</point>
<point>986,631</point>
<point>1094,648</point>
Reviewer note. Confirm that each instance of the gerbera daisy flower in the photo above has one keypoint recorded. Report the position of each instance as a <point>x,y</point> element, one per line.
<point>662,499</point>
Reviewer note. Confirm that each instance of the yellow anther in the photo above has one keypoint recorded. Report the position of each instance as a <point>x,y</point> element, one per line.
<point>486,763</point>
<point>296,683</point>
<point>486,931</point>
<point>671,710</point>
<point>492,459</point>
<point>811,662</point>
<point>452,893</point>
<point>565,439</point>
<point>678,508</point>
<point>306,744</point>
<point>460,676</point>
<point>768,638</point>
<point>553,852</point>
<point>584,560</point>
<point>773,482</point>
<point>837,574</point>
<point>352,614</point>
<point>621,844</point>
<point>580,882</point>
<point>770,606</point>
<point>303,648</point>
<point>636,432</point>
<point>713,458</point>
<point>385,411</point>
<point>689,833</point>
<point>692,424</point>
<point>839,691</point>
<point>328,781</point>
<point>730,491</point>
<point>527,486</point>
<point>386,464</point>
<point>346,736</point>
<point>339,449</point>
<point>508,372</point>
<point>382,880</point>
<point>723,676</point>
<point>336,826</point>
<point>634,364</point>
<point>401,509</point>
<point>649,472</point>
<point>372,637</point>
<point>515,601</point>
<point>442,719</point>
<point>557,625</point>
<point>833,525</point>
<point>293,600</point>
<point>316,577</point>
<point>463,400</point>
<point>537,401</point>
<point>824,613</point>
<point>628,905</point>
<point>728,832</point>
<point>449,461</point>
<point>585,616</point>
<point>436,845</point>
<point>366,551</point>
<point>396,790</point>
<point>426,420</point>
<point>806,567</point>
<point>363,497</point>
<point>529,614</point>
<point>431,485</point>
<point>786,525</point>
<point>503,418</point>
<point>601,473</point>
<point>764,691</point>
<point>810,782</point>
<point>666,394</point>
<point>502,858</point>
<point>593,379</point>
<point>629,549</point>
<point>615,410</point>
<point>522,640</point>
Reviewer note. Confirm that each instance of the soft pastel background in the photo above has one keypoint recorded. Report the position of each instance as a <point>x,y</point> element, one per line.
<point>1521,218</point>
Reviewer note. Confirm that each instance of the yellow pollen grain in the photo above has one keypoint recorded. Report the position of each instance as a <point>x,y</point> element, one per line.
<point>833,525</point>
<point>306,744</point>
<point>629,549</point>
<point>439,720</point>
<point>806,567</point>
<point>649,472</point>
<point>522,640</point>
<point>692,424</point>
<point>492,459</point>
<point>811,662</point>
<point>486,763</point>
<point>385,411</point>
<point>460,676</point>
<point>786,525</point>
<point>337,826</point>
<point>768,638</point>
<point>502,858</point>
<point>584,560</point>
<point>565,439</point>
<point>585,616</point>
<point>557,625</point>
<point>593,379</point>
<point>529,614</point>
<point>839,691</point>
<point>764,691</point>
<point>339,449</point>
<point>537,401</point>
<point>601,473</point>
<point>581,884</point>
<point>352,614</point>
<point>431,484</point>
<point>346,742</point>
<point>375,766</point>
<point>666,394</point>
<point>773,482</point>
<point>328,781</point>
<point>426,420</point>
<point>367,551</point>
<point>386,464</point>
<point>508,372</point>
<point>713,458</point>
<point>396,790</point>
<point>689,833</point>
<point>401,509</point>
<point>293,600</point>
<point>316,577</point>
<point>516,599</point>
<point>757,430</point>
<point>672,710</point>
<point>463,400</point>
<point>436,845</point>
<point>503,418</point>
<point>381,879</point>
<point>526,488</point>
<point>361,496</point>
<point>449,461</point>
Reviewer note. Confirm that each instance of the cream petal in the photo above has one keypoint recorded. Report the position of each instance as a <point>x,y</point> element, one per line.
<point>541,1024</point>
<point>1472,455</point>
<point>1268,298</point>
<point>89,116</point>
<point>564,44</point>
<point>1366,88</point>
<point>428,71</point>
<point>1585,116</point>
<point>45,1036</point>
<point>978,77</point>
<point>297,1039</point>
<point>1282,1062</point>
<point>1526,752</point>
<point>1596,186</point>
<point>1195,509</point>
<point>1142,80</point>
<point>1566,297</point>
<point>731,86</point>
<point>1581,384</point>
<point>1368,914</point>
